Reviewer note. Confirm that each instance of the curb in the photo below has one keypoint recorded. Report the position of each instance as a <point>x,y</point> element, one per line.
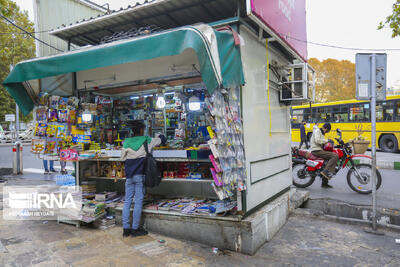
<point>336,209</point>
<point>391,165</point>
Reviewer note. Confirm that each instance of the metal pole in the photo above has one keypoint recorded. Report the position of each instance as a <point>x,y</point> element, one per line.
<point>373,137</point>
<point>17,121</point>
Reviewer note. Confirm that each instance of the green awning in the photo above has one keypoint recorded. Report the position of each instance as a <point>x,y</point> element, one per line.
<point>218,57</point>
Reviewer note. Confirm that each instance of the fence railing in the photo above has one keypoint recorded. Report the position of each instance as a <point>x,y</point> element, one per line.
<point>11,136</point>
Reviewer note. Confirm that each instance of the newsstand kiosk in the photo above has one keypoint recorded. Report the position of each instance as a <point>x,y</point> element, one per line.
<point>226,166</point>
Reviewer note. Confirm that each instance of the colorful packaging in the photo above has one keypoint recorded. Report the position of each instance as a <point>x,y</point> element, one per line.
<point>52,115</point>
<point>44,99</point>
<point>72,117</point>
<point>40,129</point>
<point>41,114</point>
<point>73,102</point>
<point>63,115</point>
<point>51,130</point>
<point>53,102</point>
<point>81,138</point>
<point>62,131</point>
<point>50,147</point>
<point>63,102</point>
<point>68,155</point>
<point>38,146</point>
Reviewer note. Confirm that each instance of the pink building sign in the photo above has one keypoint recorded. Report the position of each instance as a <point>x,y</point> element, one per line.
<point>287,18</point>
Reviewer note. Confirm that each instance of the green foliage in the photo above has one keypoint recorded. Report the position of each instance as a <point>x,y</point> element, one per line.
<point>393,20</point>
<point>335,80</point>
<point>13,49</point>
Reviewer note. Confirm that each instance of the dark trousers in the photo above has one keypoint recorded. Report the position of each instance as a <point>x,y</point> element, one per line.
<point>331,157</point>
<point>305,142</point>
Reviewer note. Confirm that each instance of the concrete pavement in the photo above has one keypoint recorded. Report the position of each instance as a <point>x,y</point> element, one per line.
<point>301,242</point>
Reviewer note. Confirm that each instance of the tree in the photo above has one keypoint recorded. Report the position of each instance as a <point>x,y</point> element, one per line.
<point>335,80</point>
<point>15,46</point>
<point>393,20</point>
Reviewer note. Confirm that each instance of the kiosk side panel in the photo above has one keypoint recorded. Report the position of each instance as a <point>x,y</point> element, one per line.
<point>266,125</point>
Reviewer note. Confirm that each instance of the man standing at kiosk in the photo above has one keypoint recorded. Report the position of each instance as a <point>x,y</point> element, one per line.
<point>134,154</point>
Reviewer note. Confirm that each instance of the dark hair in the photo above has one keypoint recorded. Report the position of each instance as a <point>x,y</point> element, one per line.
<point>327,126</point>
<point>137,126</point>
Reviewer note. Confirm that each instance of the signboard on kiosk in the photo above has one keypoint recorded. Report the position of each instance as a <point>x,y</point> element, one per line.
<point>285,18</point>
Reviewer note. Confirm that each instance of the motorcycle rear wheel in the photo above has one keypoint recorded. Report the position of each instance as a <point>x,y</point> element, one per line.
<point>301,177</point>
<point>366,178</point>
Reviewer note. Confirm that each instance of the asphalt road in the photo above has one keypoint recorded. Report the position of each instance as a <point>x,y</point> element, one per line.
<point>388,195</point>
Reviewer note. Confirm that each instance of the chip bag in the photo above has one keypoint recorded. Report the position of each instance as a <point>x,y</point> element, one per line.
<point>51,130</point>
<point>62,131</point>
<point>52,115</point>
<point>50,147</point>
<point>38,146</point>
<point>40,129</point>
<point>63,115</point>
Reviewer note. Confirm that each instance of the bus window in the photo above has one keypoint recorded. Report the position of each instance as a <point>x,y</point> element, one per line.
<point>324,114</point>
<point>297,117</point>
<point>384,111</point>
<point>359,112</point>
<point>307,115</point>
<point>397,110</point>
<point>340,113</point>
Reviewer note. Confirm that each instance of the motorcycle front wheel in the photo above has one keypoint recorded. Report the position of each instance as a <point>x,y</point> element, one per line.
<point>362,184</point>
<point>301,177</point>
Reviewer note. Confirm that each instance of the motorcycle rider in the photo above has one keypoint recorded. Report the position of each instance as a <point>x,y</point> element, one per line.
<point>317,144</point>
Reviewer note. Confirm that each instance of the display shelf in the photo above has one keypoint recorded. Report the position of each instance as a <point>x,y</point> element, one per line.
<point>187,180</point>
<point>165,180</point>
<point>158,159</point>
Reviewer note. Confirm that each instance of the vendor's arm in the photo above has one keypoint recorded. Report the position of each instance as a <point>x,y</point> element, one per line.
<point>123,154</point>
<point>161,139</point>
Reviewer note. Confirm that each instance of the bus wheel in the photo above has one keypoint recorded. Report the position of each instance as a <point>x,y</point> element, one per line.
<point>388,143</point>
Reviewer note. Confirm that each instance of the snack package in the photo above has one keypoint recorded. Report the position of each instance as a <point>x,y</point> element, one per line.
<point>73,102</point>
<point>50,147</point>
<point>62,131</point>
<point>38,146</point>
<point>43,99</point>
<point>63,102</point>
<point>53,102</point>
<point>81,138</point>
<point>68,155</point>
<point>41,114</point>
<point>40,129</point>
<point>63,115</point>
<point>72,116</point>
<point>52,115</point>
<point>51,130</point>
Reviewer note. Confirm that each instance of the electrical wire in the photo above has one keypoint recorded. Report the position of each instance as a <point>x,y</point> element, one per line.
<point>342,47</point>
<point>4,33</point>
<point>15,25</point>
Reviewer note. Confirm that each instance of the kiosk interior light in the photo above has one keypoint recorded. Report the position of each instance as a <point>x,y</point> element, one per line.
<point>160,102</point>
<point>86,116</point>
<point>194,103</point>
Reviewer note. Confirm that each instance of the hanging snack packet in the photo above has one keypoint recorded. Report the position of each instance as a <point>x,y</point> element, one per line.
<point>41,114</point>
<point>52,115</point>
<point>54,101</point>
<point>73,102</point>
<point>38,146</point>
<point>51,131</point>
<point>63,102</point>
<point>72,116</point>
<point>62,131</point>
<point>40,129</point>
<point>63,115</point>
<point>44,99</point>
<point>50,147</point>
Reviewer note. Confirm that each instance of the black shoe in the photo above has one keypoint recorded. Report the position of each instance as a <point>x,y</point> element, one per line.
<point>46,172</point>
<point>126,232</point>
<point>53,170</point>
<point>325,183</point>
<point>139,232</point>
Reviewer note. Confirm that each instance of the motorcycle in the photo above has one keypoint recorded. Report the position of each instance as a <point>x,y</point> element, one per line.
<point>306,167</point>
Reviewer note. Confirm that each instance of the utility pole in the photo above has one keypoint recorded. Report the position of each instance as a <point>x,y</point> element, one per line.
<point>373,138</point>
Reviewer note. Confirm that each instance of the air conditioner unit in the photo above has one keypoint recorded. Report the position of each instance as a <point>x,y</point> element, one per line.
<point>300,83</point>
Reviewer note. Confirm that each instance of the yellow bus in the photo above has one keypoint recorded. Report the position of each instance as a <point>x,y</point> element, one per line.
<point>353,117</point>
